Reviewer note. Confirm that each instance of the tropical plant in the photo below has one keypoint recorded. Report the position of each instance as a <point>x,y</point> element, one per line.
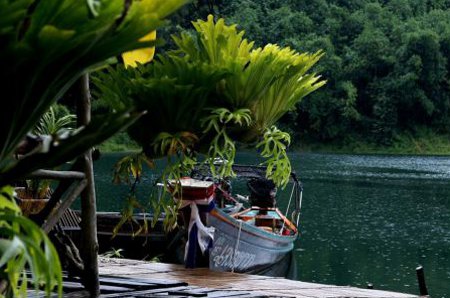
<point>269,80</point>
<point>23,245</point>
<point>219,89</point>
<point>166,89</point>
<point>56,120</point>
<point>46,46</point>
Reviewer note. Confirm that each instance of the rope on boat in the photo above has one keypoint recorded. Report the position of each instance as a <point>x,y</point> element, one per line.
<point>287,209</point>
<point>236,246</point>
<point>299,208</point>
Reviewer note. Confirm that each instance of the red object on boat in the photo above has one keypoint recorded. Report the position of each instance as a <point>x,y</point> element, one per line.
<point>192,189</point>
<point>287,232</point>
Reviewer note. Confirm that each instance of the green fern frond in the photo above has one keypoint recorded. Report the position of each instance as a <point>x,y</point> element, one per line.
<point>273,147</point>
<point>220,88</point>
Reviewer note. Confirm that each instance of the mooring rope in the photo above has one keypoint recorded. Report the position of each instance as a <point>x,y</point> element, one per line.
<point>287,209</point>
<point>236,246</point>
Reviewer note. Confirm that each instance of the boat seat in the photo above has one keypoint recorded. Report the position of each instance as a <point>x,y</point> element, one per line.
<point>267,221</point>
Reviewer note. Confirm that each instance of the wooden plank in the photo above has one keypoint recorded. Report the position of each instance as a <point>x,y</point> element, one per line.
<point>78,294</point>
<point>127,282</point>
<point>141,293</point>
<point>225,284</point>
<point>69,286</point>
<point>142,282</point>
<point>162,267</point>
<point>232,294</point>
<point>187,293</point>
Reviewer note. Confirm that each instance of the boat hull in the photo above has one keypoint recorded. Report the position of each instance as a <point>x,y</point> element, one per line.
<point>245,248</point>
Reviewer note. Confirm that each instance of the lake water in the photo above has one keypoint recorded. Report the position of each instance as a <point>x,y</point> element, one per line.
<point>365,219</point>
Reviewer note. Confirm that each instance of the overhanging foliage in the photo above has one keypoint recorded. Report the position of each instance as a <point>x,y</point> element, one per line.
<point>46,46</point>
<point>215,79</point>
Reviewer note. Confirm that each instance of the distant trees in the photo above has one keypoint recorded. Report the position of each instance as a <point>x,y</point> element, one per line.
<point>387,62</point>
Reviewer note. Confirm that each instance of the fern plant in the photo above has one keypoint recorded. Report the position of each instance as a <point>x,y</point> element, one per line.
<point>219,88</point>
<point>222,147</point>
<point>269,81</point>
<point>54,121</point>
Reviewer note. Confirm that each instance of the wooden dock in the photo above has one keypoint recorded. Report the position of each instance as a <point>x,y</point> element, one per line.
<point>170,280</point>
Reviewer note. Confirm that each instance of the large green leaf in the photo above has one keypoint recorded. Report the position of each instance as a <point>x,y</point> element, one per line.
<point>23,245</point>
<point>175,94</point>
<point>45,48</point>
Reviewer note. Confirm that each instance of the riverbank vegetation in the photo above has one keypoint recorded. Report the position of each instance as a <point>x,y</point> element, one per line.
<point>425,142</point>
<point>386,65</point>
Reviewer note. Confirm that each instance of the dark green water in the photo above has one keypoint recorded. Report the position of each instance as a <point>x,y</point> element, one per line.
<point>365,219</point>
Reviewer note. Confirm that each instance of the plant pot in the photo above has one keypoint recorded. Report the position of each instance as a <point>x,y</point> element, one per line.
<point>28,204</point>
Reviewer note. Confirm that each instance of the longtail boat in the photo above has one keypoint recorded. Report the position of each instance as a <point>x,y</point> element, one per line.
<point>258,239</point>
<point>246,242</point>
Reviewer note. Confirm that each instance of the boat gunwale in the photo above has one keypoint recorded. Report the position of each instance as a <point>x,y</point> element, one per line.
<point>253,230</point>
<point>287,222</point>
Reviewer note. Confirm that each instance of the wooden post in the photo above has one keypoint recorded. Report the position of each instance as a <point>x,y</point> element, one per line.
<point>89,251</point>
<point>58,175</point>
<point>421,280</point>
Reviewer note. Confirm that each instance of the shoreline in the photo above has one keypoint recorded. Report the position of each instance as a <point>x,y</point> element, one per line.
<point>422,145</point>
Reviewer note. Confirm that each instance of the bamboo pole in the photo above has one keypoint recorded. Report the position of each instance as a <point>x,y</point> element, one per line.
<point>57,175</point>
<point>89,251</point>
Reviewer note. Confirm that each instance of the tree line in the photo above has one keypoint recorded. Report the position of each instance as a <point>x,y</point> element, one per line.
<point>386,64</point>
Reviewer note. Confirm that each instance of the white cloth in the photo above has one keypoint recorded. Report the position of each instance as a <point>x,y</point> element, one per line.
<point>204,234</point>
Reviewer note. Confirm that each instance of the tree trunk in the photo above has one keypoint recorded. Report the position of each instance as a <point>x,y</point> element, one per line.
<point>89,251</point>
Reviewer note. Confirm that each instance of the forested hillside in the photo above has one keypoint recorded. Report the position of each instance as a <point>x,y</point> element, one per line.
<point>387,63</point>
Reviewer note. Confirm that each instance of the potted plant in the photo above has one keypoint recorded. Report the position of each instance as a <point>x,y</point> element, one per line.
<point>33,194</point>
